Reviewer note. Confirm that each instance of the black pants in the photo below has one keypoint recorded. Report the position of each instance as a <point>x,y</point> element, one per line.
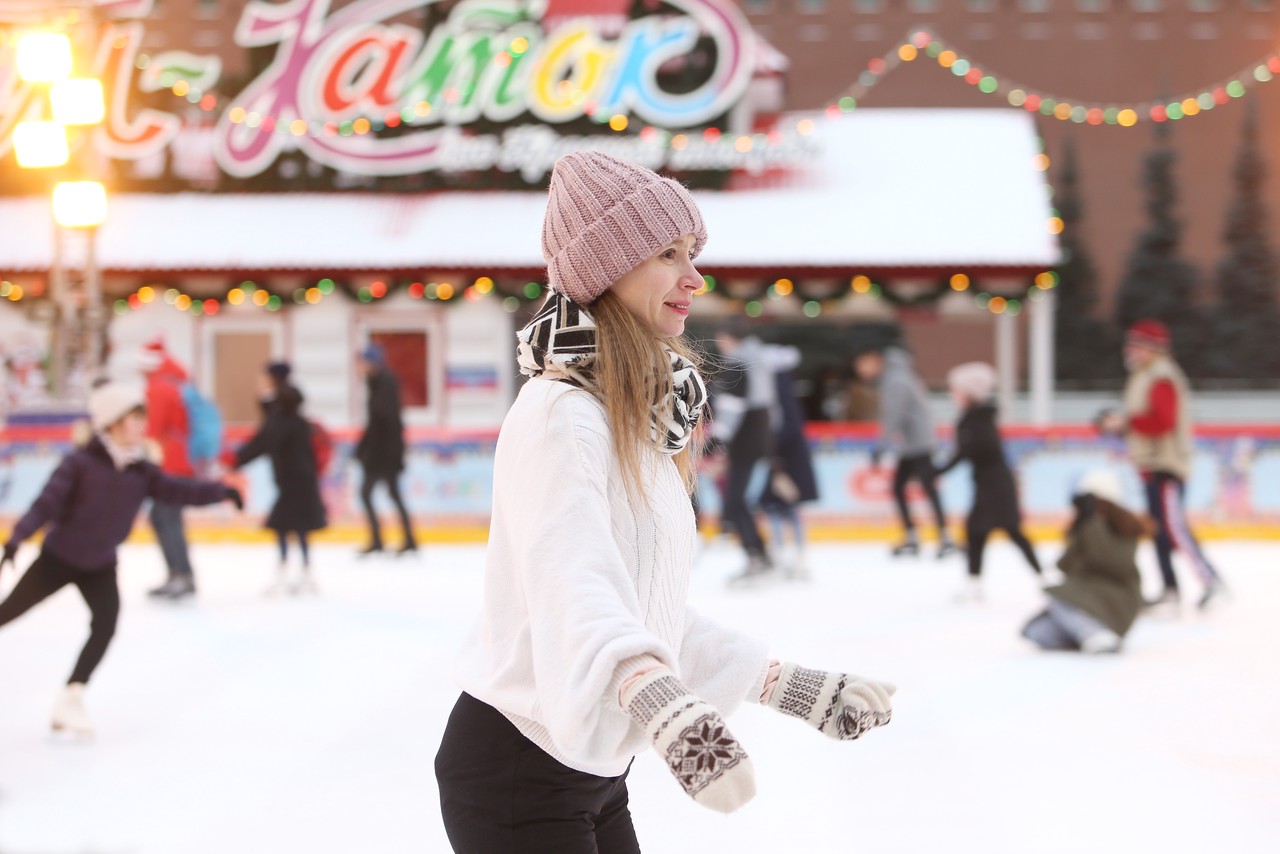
<point>918,467</point>
<point>1165,502</point>
<point>392,480</point>
<point>47,576</point>
<point>735,510</point>
<point>502,794</point>
<point>976,533</point>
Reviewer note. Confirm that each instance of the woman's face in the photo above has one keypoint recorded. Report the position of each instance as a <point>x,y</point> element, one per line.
<point>660,291</point>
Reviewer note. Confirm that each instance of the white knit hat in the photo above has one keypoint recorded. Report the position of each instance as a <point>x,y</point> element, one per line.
<point>605,216</point>
<point>975,380</point>
<point>110,402</point>
<point>1101,483</point>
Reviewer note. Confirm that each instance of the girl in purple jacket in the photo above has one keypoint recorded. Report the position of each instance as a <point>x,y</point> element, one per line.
<point>89,504</point>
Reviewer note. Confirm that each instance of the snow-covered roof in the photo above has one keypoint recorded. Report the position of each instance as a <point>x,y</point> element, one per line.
<point>892,188</point>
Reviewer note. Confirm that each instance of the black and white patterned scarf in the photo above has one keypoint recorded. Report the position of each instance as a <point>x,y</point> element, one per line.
<point>560,344</point>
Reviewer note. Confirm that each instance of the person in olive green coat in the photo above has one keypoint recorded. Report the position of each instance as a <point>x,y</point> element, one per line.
<point>1097,603</point>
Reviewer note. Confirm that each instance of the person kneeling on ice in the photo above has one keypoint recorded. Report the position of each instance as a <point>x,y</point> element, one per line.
<point>90,504</point>
<point>1097,603</point>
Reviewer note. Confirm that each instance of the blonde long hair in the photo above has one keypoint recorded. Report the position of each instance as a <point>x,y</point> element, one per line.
<point>632,373</point>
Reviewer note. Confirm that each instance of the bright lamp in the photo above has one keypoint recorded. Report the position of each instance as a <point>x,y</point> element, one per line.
<point>40,144</point>
<point>79,204</point>
<point>44,57</point>
<point>77,101</point>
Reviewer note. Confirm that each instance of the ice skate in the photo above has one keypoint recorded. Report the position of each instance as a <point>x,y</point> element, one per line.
<point>909,547</point>
<point>1101,642</point>
<point>304,586</point>
<point>947,546</point>
<point>178,587</point>
<point>758,569</point>
<point>970,592</point>
<point>370,550</point>
<point>796,568</point>
<point>1214,594</point>
<point>278,586</point>
<point>69,715</point>
<point>1168,605</point>
<point>407,550</point>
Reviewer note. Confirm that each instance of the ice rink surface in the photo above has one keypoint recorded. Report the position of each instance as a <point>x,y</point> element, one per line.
<point>239,723</point>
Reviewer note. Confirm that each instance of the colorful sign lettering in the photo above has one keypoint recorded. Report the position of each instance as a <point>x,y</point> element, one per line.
<point>359,90</point>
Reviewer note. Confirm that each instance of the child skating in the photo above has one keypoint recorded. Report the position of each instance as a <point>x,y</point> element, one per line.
<point>285,438</point>
<point>90,504</point>
<point>995,494</point>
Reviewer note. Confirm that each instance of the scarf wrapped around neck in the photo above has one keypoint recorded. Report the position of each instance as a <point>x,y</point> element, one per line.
<point>560,344</point>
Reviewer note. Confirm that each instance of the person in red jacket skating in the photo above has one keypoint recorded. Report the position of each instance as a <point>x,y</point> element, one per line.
<point>1156,424</point>
<point>168,429</point>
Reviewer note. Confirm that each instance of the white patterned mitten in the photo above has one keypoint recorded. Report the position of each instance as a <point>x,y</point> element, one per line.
<point>692,739</point>
<point>836,704</point>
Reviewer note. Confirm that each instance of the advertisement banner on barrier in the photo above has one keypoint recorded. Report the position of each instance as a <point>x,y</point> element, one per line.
<point>1234,487</point>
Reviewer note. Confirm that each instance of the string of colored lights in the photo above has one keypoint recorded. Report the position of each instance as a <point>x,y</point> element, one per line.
<point>251,294</point>
<point>1194,103</point>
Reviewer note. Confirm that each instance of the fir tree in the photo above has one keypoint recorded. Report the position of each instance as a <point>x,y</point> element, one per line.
<point>1086,348</point>
<point>1246,320</point>
<point>1158,283</point>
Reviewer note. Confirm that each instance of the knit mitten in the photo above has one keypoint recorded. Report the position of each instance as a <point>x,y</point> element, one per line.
<point>692,740</point>
<point>836,704</point>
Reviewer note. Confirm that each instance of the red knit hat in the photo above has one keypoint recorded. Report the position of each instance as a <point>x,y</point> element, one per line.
<point>1148,333</point>
<point>604,216</point>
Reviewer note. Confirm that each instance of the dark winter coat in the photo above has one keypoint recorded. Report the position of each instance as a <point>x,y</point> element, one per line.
<point>90,505</point>
<point>381,449</point>
<point>285,438</point>
<point>1101,574</point>
<point>791,455</point>
<point>995,494</point>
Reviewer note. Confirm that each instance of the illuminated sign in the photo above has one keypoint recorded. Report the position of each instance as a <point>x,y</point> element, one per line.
<point>359,90</point>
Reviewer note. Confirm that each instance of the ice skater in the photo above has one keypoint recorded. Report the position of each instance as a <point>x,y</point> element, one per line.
<point>1094,608</point>
<point>1156,425</point>
<point>89,504</point>
<point>907,429</point>
<point>381,448</point>
<point>285,438</point>
<point>585,651</point>
<point>791,481</point>
<point>744,402</point>
<point>995,494</point>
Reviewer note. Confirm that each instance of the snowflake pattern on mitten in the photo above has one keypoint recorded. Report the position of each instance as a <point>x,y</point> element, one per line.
<point>702,753</point>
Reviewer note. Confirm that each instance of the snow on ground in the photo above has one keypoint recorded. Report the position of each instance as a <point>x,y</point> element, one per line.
<point>247,724</point>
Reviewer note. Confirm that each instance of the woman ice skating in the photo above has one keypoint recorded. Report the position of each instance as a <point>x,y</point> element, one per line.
<point>1095,606</point>
<point>285,437</point>
<point>995,495</point>
<point>585,652</point>
<point>90,503</point>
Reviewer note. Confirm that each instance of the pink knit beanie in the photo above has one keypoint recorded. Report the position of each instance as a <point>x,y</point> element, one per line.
<point>604,217</point>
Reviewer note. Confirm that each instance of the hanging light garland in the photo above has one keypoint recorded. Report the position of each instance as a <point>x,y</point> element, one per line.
<point>924,43</point>
<point>249,293</point>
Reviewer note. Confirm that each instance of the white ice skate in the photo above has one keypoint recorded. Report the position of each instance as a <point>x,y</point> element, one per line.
<point>304,586</point>
<point>279,586</point>
<point>970,593</point>
<point>69,715</point>
<point>1100,642</point>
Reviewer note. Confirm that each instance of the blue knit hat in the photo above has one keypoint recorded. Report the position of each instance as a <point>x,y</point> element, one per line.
<point>374,353</point>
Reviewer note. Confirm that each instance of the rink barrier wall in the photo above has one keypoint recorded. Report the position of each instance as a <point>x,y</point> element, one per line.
<point>1233,491</point>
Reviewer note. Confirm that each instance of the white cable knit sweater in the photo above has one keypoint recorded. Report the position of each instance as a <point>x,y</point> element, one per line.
<point>582,586</point>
